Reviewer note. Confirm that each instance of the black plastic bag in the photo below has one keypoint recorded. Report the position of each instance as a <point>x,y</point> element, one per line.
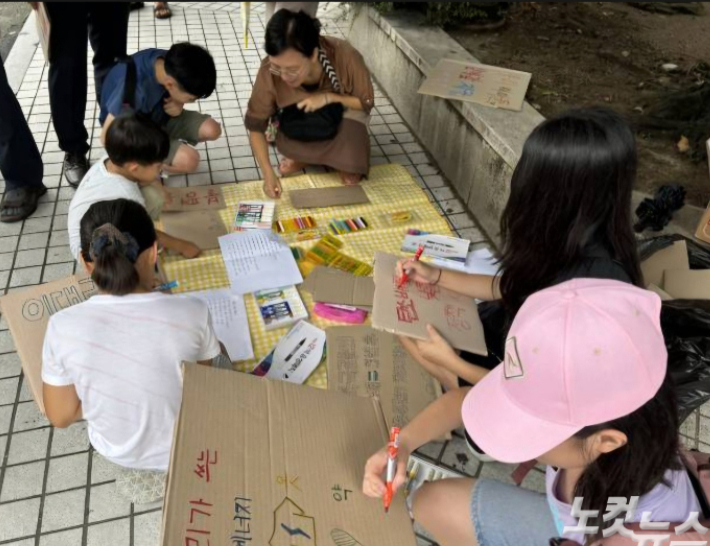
<point>686,330</point>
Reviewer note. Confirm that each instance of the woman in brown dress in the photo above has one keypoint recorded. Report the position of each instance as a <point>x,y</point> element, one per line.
<point>311,71</point>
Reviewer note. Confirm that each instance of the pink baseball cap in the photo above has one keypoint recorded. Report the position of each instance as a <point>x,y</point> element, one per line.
<point>581,353</point>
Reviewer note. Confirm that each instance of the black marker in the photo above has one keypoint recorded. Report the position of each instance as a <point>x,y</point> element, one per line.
<point>300,344</point>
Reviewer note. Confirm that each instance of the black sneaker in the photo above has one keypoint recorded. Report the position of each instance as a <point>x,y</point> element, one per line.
<point>75,168</point>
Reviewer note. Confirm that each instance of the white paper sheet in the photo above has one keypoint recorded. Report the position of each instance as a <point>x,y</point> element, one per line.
<point>258,260</point>
<point>229,318</point>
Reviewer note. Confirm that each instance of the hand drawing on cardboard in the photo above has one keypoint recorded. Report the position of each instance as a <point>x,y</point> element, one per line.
<point>343,538</point>
<point>292,527</point>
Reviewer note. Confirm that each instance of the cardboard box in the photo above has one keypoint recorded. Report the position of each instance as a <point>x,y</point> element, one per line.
<point>336,196</point>
<point>368,362</point>
<point>27,314</point>
<point>195,198</point>
<point>672,257</point>
<point>665,296</point>
<point>328,285</point>
<point>257,462</point>
<point>690,284</point>
<point>408,310</point>
<point>201,227</point>
<point>483,84</point>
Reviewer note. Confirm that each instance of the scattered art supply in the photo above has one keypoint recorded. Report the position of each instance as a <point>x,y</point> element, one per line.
<point>436,246</point>
<point>166,286</point>
<point>201,227</point>
<point>254,215</point>
<point>399,217</point>
<point>327,252</point>
<point>258,260</point>
<point>196,198</point>
<point>340,313</point>
<point>392,452</point>
<point>479,261</point>
<point>280,307</point>
<point>408,310</point>
<point>404,279</point>
<point>335,196</point>
<point>347,225</point>
<point>229,318</point>
<point>479,83</point>
<point>297,224</point>
<point>295,356</point>
<point>366,362</point>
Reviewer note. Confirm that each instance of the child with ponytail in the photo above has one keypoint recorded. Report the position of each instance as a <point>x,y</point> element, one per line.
<point>115,360</point>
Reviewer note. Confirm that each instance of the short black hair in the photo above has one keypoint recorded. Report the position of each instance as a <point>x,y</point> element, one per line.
<point>193,68</point>
<point>290,30</point>
<point>135,137</point>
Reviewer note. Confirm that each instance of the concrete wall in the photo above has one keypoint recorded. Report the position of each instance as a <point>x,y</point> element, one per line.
<point>476,147</point>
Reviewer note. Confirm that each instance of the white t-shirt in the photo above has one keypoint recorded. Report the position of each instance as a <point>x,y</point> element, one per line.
<point>97,185</point>
<point>123,354</point>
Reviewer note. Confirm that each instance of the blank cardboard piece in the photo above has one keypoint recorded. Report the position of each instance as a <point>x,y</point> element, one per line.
<point>201,227</point>
<point>194,198</point>
<point>407,311</point>
<point>671,257</point>
<point>483,84</point>
<point>313,198</point>
<point>703,230</point>
<point>687,284</point>
<point>27,314</point>
<point>368,362</point>
<point>665,296</point>
<point>269,463</point>
<point>328,285</point>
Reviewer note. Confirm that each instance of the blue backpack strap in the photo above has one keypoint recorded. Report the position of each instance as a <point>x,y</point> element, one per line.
<point>129,85</point>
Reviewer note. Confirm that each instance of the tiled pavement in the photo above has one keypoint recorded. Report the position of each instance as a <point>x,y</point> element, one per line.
<point>54,489</point>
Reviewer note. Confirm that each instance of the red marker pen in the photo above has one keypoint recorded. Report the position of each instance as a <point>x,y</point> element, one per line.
<point>392,450</point>
<point>405,278</point>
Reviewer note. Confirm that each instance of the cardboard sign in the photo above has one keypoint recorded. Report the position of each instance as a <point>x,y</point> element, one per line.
<point>665,296</point>
<point>479,83</point>
<point>201,227</point>
<point>703,230</point>
<point>313,198</point>
<point>672,257</point>
<point>27,314</point>
<point>197,198</point>
<point>407,311</point>
<point>687,284</point>
<point>328,285</point>
<point>368,362</point>
<point>43,28</point>
<point>269,463</point>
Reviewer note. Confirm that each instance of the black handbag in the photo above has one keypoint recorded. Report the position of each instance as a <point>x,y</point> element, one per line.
<point>323,124</point>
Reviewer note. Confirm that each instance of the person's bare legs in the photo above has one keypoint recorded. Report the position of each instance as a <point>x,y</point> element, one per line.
<point>289,166</point>
<point>443,509</point>
<point>447,378</point>
<point>187,159</point>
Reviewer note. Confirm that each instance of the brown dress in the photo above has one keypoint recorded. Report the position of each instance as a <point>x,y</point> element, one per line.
<point>349,151</point>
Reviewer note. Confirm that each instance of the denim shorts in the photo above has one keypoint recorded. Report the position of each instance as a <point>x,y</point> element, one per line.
<point>506,515</point>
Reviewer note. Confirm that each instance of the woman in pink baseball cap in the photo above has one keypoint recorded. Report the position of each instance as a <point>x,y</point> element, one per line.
<point>582,389</point>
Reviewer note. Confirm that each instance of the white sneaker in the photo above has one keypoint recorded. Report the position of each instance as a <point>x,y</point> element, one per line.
<point>476,451</point>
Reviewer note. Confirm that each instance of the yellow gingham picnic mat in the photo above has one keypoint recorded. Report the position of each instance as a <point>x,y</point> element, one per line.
<point>390,188</point>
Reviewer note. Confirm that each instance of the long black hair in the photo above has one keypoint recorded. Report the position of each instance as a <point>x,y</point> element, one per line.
<point>571,189</point>
<point>291,30</point>
<point>113,235</point>
<point>637,467</point>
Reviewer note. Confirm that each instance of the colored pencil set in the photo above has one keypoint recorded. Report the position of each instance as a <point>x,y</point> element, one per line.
<point>289,225</point>
<point>327,252</point>
<point>347,225</point>
<point>254,215</point>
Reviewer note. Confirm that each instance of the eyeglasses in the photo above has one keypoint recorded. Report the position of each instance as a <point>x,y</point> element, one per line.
<point>290,72</point>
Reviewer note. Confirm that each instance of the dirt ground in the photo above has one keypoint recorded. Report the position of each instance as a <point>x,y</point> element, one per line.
<point>587,53</point>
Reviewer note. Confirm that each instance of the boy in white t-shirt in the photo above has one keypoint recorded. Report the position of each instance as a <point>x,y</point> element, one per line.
<point>115,360</point>
<point>136,149</point>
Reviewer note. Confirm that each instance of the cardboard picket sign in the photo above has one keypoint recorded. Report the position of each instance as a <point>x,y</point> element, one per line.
<point>27,314</point>
<point>408,310</point>
<point>687,284</point>
<point>328,285</point>
<point>193,198</point>
<point>270,463</point>
<point>337,196</point>
<point>369,362</point>
<point>201,227</point>
<point>674,256</point>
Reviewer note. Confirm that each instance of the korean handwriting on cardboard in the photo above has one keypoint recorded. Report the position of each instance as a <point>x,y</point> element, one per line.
<point>198,523</point>
<point>204,461</point>
<point>48,304</point>
<point>406,310</point>
<point>242,522</point>
<point>340,494</point>
<point>456,318</point>
<point>472,73</point>
<point>371,355</point>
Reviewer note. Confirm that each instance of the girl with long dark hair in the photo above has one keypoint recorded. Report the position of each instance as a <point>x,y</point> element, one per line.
<point>583,389</point>
<point>568,216</point>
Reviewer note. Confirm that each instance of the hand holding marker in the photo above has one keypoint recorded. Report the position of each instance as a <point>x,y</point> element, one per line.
<point>392,449</point>
<point>405,278</point>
